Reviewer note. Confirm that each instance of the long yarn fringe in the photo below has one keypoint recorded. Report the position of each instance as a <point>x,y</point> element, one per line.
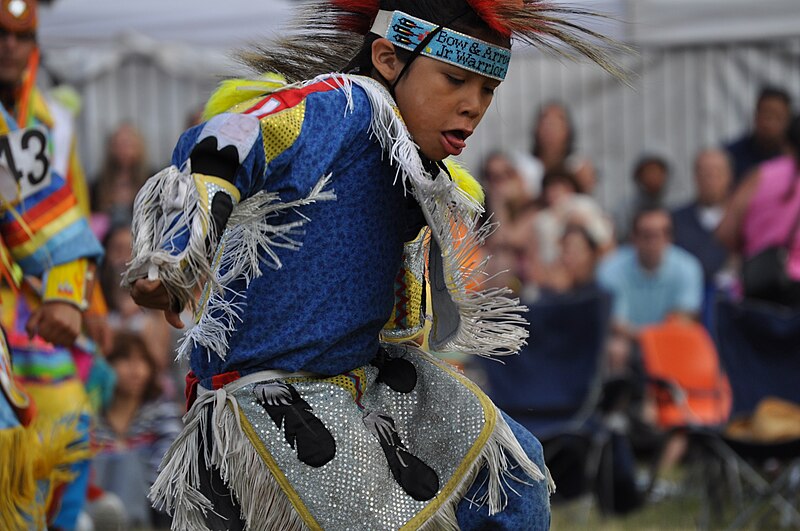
<point>38,455</point>
<point>263,504</point>
<point>491,320</point>
<point>18,504</point>
<point>249,241</point>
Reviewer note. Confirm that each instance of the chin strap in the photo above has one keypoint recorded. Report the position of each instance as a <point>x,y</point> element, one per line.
<point>414,54</point>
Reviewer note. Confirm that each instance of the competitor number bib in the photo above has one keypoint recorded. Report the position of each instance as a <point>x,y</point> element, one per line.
<point>25,166</point>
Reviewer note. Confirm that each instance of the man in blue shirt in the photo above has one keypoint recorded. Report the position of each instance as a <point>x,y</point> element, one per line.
<point>651,279</point>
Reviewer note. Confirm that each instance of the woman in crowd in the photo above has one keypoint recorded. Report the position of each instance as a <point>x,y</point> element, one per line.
<point>554,144</point>
<point>125,170</point>
<point>764,215</point>
<point>123,313</point>
<point>562,207</point>
<point>577,262</point>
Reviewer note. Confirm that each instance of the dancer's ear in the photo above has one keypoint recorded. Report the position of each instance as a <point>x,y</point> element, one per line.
<point>385,60</point>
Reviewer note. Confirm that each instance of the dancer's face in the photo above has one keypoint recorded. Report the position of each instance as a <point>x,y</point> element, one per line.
<point>15,50</point>
<point>441,104</point>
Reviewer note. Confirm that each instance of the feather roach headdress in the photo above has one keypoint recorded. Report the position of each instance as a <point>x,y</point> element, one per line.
<point>327,35</point>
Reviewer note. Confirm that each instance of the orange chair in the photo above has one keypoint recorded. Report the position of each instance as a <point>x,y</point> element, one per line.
<point>681,362</point>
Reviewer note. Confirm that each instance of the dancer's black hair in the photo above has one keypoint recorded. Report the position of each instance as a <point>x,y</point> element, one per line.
<point>333,35</point>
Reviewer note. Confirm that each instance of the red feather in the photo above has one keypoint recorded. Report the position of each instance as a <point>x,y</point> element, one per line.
<point>487,10</point>
<point>357,15</point>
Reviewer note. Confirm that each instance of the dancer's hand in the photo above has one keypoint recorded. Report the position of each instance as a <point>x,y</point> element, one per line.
<point>153,294</point>
<point>56,322</point>
<point>98,329</point>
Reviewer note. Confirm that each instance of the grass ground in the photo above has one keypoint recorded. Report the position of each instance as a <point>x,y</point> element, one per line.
<point>682,510</point>
<point>677,513</point>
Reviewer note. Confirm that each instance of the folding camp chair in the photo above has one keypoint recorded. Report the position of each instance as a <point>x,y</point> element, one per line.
<point>691,392</point>
<point>553,388</point>
<point>759,346</point>
<point>682,365</point>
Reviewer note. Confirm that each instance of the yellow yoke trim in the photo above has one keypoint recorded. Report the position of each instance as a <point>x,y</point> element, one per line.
<point>281,130</point>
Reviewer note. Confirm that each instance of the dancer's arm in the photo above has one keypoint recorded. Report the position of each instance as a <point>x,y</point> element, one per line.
<point>283,145</point>
<point>49,239</point>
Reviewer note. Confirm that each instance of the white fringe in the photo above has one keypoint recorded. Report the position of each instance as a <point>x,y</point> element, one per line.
<point>168,206</point>
<point>263,503</point>
<point>264,506</point>
<point>491,321</point>
<point>250,241</point>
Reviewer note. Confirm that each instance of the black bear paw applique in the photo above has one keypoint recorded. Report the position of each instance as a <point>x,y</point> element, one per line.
<point>301,428</point>
<point>414,476</point>
<point>399,374</point>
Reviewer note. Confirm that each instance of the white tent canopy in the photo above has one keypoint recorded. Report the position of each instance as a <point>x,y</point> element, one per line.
<point>678,22</point>
<point>195,37</point>
<point>206,23</point>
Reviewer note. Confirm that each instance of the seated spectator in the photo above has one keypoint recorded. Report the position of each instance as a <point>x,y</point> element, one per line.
<point>763,213</point>
<point>554,141</point>
<point>562,206</point>
<point>124,171</point>
<point>650,280</point>
<point>694,224</point>
<point>650,175</point>
<point>124,314</point>
<point>768,136</point>
<point>134,432</point>
<point>577,263</point>
<point>510,203</point>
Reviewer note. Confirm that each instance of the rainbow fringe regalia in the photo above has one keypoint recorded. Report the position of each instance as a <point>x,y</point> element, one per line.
<point>46,247</point>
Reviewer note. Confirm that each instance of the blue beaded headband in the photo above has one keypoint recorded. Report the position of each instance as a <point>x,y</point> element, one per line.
<point>447,45</point>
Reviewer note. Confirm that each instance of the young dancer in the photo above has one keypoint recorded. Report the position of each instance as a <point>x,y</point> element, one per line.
<point>315,212</point>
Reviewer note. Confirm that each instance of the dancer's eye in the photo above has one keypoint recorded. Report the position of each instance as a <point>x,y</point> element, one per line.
<point>454,80</point>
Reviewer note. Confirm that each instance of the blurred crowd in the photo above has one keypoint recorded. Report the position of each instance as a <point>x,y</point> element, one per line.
<point>658,260</point>
<point>660,263</point>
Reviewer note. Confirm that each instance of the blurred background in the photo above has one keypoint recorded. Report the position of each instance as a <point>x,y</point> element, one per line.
<point>661,382</point>
<point>699,67</point>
